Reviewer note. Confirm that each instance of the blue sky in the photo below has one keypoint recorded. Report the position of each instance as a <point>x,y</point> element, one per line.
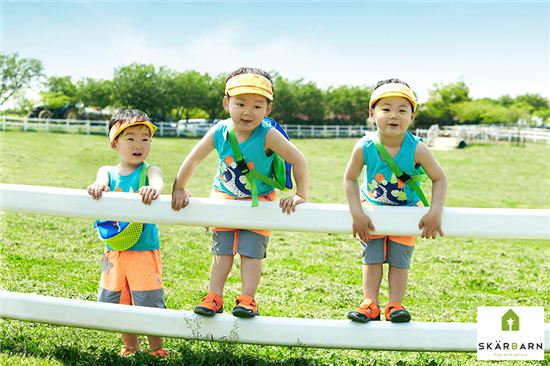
<point>496,47</point>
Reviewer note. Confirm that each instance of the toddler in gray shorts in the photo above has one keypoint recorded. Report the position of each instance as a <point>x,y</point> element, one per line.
<point>243,242</point>
<point>385,250</point>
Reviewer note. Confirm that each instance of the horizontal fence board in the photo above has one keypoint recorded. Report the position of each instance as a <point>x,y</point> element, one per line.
<point>309,217</point>
<point>262,330</point>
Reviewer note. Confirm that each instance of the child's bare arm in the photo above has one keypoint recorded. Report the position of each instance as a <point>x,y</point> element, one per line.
<point>431,222</point>
<point>180,197</point>
<point>156,185</point>
<point>101,183</point>
<point>289,152</point>
<point>361,223</point>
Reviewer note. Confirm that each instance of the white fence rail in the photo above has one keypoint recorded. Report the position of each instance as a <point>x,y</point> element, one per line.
<point>309,217</point>
<point>169,129</point>
<point>468,133</point>
<point>415,336</point>
<point>480,133</point>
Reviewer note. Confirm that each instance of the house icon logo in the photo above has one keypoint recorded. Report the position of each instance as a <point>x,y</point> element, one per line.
<point>510,321</point>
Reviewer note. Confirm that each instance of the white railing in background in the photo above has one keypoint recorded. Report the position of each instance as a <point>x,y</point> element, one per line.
<point>468,133</point>
<point>169,129</point>
<point>414,336</point>
<point>481,133</point>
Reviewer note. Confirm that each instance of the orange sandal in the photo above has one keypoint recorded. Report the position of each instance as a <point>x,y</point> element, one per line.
<point>161,352</point>
<point>127,351</point>
<point>210,305</point>
<point>396,313</point>
<point>366,312</point>
<point>246,307</point>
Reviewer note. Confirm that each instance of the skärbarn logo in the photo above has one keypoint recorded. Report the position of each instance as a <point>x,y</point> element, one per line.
<point>510,333</point>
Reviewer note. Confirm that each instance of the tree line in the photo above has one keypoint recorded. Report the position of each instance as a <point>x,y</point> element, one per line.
<point>171,95</point>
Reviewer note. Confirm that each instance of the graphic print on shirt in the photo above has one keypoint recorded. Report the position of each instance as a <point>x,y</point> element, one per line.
<point>232,178</point>
<point>389,193</point>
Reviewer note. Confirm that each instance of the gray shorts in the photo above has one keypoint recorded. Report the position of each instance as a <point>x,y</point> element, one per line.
<point>397,255</point>
<point>249,244</point>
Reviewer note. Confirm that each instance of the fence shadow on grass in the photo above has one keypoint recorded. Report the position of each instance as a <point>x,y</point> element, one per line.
<point>214,354</point>
<point>197,354</point>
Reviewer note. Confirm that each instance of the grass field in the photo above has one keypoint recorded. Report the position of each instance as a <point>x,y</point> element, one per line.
<point>306,274</point>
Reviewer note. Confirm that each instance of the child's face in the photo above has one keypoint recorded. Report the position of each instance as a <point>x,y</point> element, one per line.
<point>247,110</point>
<point>392,115</point>
<point>133,144</point>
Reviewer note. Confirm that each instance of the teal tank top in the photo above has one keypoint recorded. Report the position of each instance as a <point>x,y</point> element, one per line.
<point>381,186</point>
<point>229,178</point>
<point>149,239</point>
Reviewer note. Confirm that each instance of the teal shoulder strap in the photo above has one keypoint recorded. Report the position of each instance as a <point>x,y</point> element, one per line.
<point>143,174</point>
<point>412,181</point>
<point>250,174</point>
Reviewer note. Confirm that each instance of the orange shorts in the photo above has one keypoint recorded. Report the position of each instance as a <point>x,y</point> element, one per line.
<point>132,277</point>
<point>405,240</point>
<point>270,197</point>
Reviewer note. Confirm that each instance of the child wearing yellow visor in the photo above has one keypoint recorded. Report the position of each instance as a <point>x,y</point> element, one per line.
<point>132,276</point>
<point>392,107</point>
<point>248,99</point>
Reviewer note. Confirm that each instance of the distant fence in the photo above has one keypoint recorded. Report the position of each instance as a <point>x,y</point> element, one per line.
<point>481,133</point>
<point>169,129</point>
<point>197,128</point>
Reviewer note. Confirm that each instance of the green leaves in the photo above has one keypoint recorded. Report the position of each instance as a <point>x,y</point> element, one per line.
<point>17,74</point>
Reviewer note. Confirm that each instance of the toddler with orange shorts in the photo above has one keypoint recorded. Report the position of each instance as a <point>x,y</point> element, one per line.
<point>132,276</point>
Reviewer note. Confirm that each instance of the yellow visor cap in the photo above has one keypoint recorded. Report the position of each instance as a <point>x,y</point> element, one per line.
<point>393,90</point>
<point>249,84</point>
<point>121,126</point>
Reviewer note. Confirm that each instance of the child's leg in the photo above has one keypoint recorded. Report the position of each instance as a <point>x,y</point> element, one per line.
<point>155,343</point>
<point>131,342</point>
<point>212,303</point>
<point>369,308</point>
<point>251,270</point>
<point>372,277</point>
<point>397,282</point>
<point>221,266</point>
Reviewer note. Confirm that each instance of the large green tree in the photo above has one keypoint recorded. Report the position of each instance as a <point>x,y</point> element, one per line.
<point>212,103</point>
<point>348,104</point>
<point>138,86</point>
<point>286,104</point>
<point>489,111</point>
<point>190,88</point>
<point>442,97</point>
<point>95,92</point>
<point>311,103</point>
<point>60,90</point>
<point>17,74</point>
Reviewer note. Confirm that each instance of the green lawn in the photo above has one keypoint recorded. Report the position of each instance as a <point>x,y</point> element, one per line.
<point>306,274</point>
